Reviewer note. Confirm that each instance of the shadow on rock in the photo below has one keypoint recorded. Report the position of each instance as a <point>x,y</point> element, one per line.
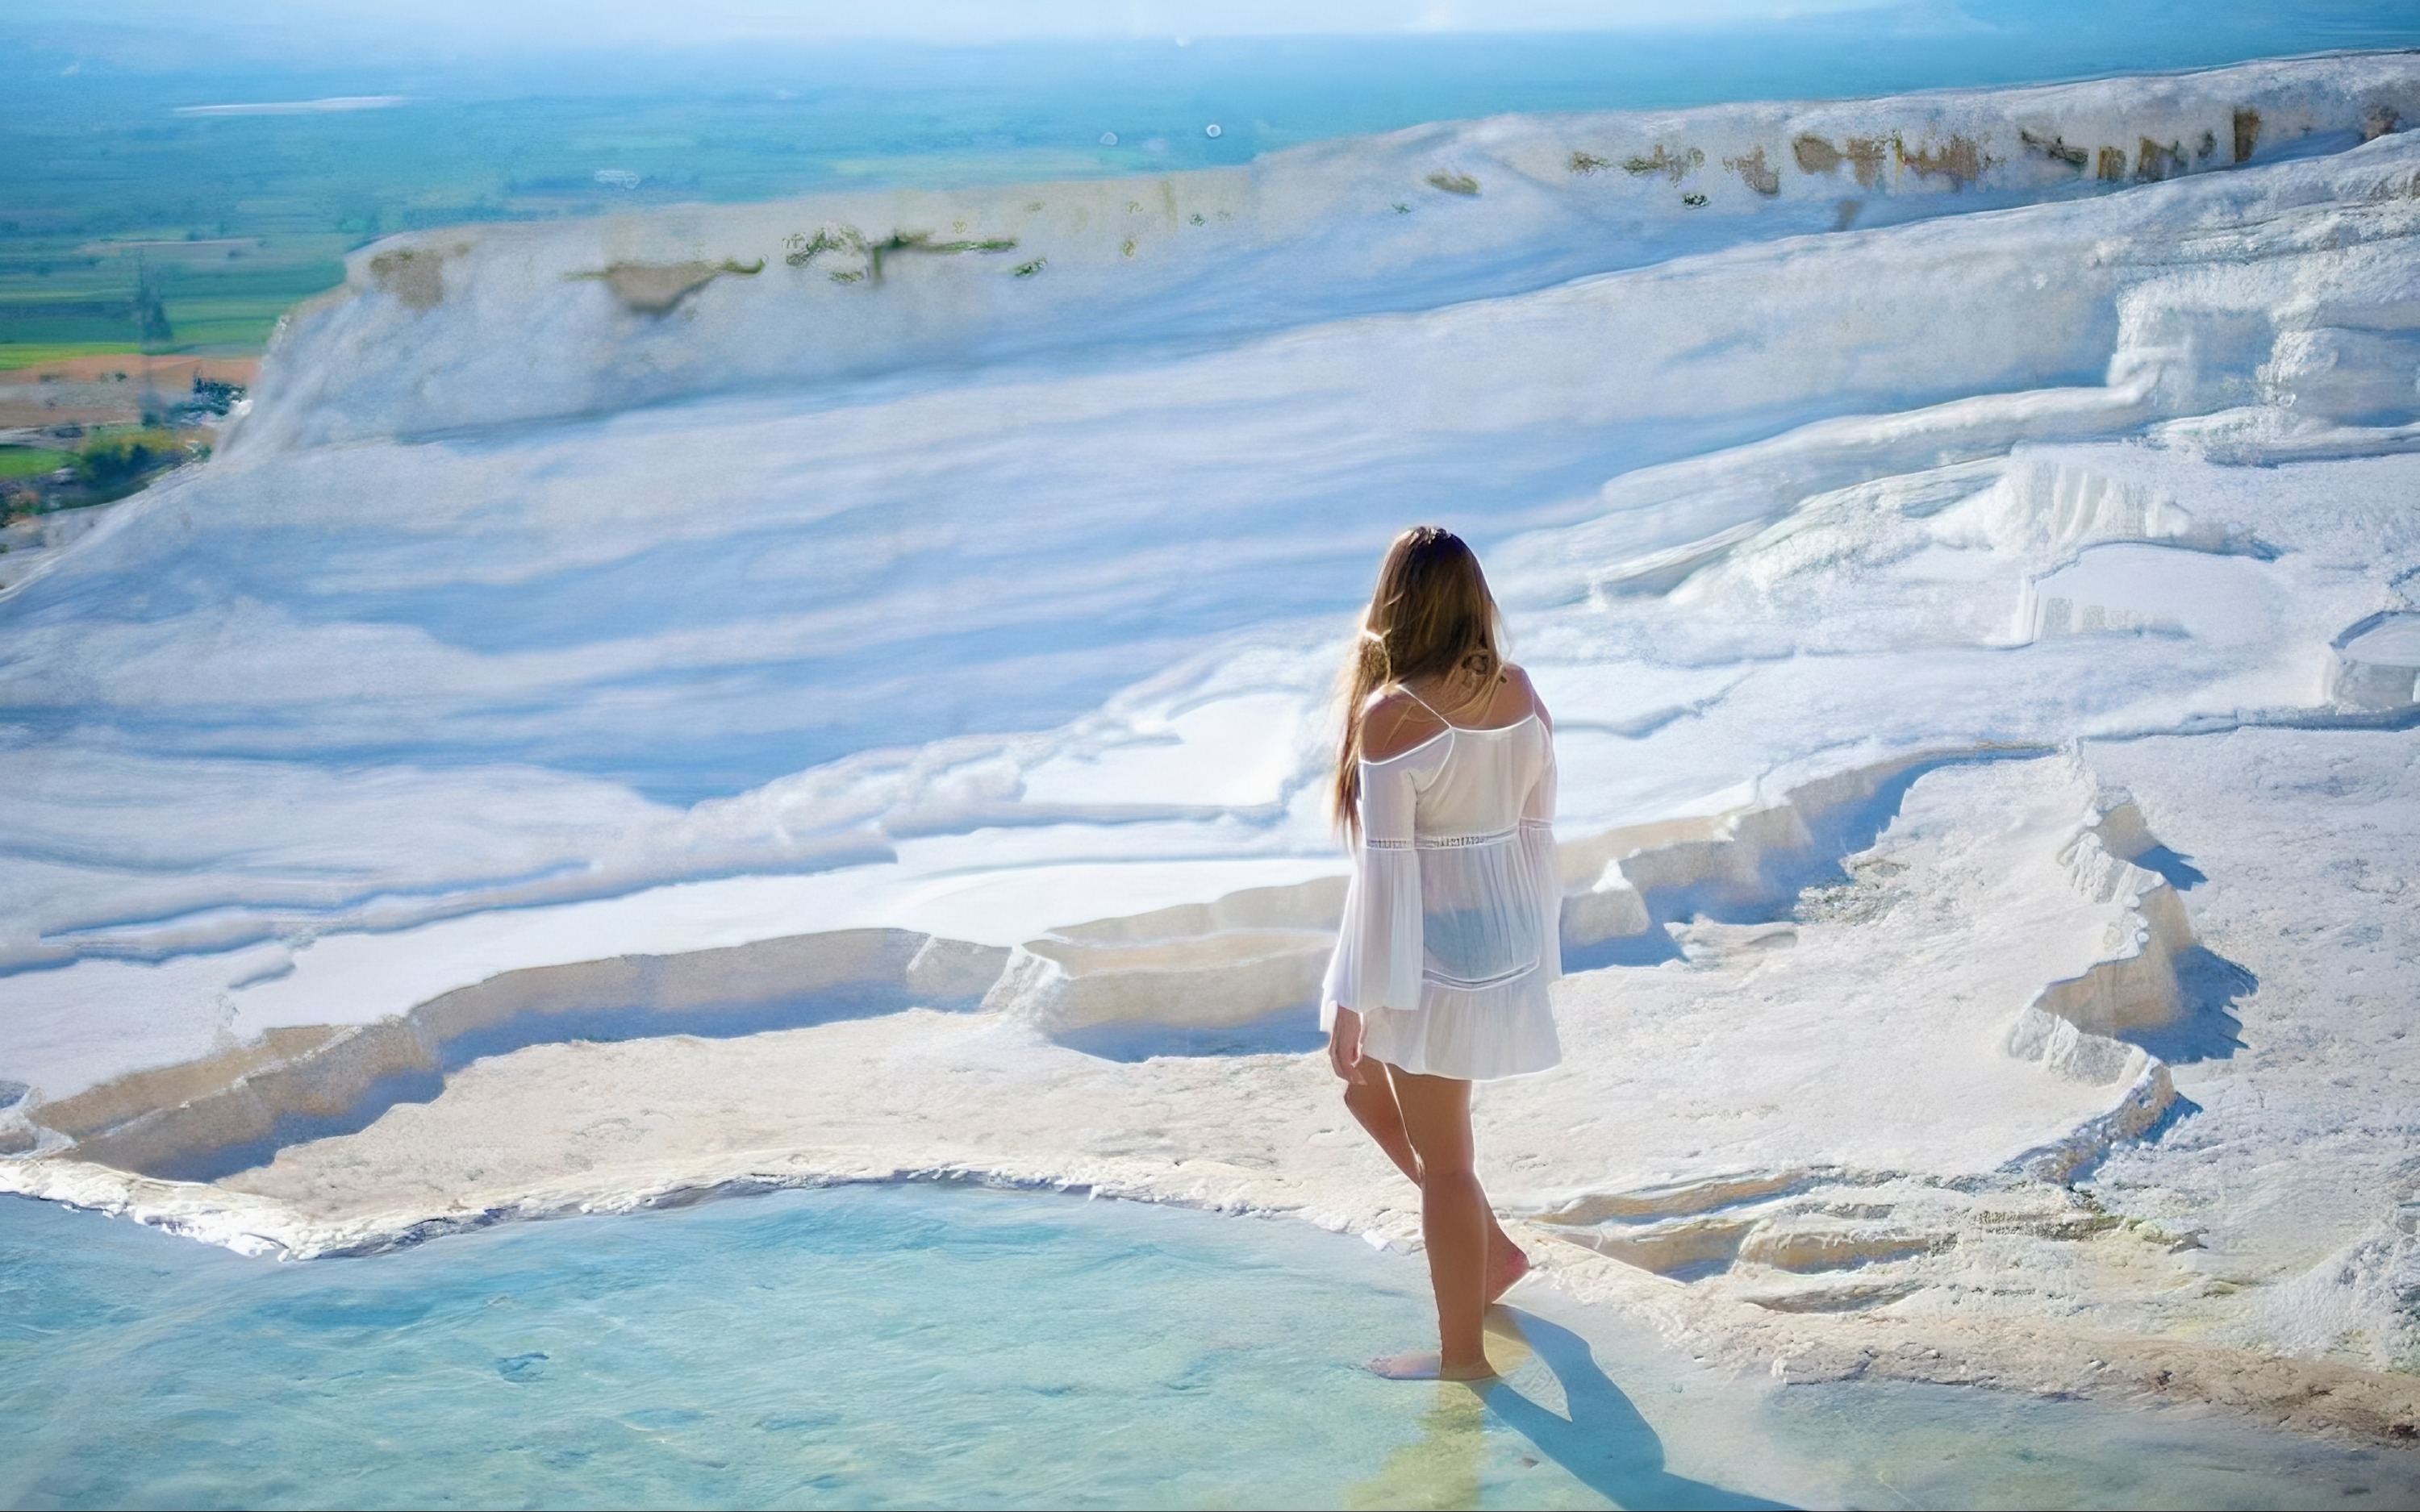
<point>1289,1031</point>
<point>2211,986</point>
<point>2182,874</point>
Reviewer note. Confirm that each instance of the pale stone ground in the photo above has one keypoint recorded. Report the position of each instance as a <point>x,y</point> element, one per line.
<point>2300,1171</point>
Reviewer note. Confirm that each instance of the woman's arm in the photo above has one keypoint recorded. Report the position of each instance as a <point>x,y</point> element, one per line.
<point>1377,963</point>
<point>1344,1045</point>
<point>1538,846</point>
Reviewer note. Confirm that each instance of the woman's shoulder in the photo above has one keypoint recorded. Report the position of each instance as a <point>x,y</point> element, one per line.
<point>1519,686</point>
<point>1394,723</point>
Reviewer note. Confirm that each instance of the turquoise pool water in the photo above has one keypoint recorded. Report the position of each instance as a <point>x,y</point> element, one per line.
<point>922,1346</point>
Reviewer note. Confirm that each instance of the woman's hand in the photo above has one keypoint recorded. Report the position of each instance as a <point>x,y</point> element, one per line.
<point>1344,1045</point>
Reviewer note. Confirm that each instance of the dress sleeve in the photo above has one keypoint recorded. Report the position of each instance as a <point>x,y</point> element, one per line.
<point>1378,960</point>
<point>1545,874</point>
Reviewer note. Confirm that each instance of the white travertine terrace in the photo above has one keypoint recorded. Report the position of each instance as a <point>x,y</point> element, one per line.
<point>602,740</point>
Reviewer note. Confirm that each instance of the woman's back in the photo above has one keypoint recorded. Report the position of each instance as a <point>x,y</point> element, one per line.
<point>1472,782</point>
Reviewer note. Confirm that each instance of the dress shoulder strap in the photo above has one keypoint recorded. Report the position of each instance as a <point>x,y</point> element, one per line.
<point>1426,705</point>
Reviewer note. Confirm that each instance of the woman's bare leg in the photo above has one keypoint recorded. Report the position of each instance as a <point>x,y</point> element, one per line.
<point>1507,1262</point>
<point>1454,1222</point>
<point>1372,1102</point>
<point>1372,1105</point>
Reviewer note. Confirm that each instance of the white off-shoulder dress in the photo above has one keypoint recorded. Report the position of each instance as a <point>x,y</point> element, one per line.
<point>1451,926</point>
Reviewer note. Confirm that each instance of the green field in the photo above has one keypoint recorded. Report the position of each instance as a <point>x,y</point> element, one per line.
<point>29,354</point>
<point>29,461</point>
<point>67,295</point>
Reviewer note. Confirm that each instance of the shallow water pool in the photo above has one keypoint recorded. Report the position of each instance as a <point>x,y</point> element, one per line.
<point>919,1346</point>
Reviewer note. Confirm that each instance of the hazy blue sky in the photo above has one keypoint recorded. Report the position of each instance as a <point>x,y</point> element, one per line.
<point>612,22</point>
<point>52,36</point>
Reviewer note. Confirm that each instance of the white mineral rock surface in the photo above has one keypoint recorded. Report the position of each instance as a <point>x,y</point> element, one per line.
<point>641,708</point>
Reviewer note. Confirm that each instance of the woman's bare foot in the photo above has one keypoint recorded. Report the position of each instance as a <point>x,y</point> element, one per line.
<point>1427,1365</point>
<point>1506,1264</point>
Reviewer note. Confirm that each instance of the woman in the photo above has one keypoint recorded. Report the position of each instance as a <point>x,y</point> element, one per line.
<point>1445,781</point>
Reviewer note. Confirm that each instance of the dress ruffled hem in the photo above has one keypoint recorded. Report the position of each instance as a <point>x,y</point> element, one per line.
<point>1473,1036</point>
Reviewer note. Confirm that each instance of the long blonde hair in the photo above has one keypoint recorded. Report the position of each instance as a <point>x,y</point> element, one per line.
<point>1431,616</point>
